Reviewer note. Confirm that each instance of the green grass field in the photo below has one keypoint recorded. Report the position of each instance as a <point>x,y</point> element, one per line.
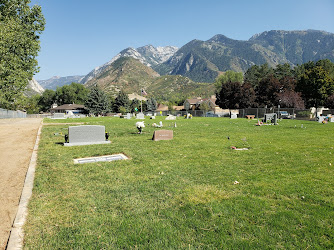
<point>181,193</point>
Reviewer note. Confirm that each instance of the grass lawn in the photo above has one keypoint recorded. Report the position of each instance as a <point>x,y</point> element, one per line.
<point>181,193</point>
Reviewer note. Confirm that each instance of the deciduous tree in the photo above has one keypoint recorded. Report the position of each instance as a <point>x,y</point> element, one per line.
<point>20,26</point>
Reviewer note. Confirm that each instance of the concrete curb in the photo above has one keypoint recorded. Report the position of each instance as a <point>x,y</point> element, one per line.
<point>17,235</point>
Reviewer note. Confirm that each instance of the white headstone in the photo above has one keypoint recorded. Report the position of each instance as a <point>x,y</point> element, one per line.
<point>140,116</point>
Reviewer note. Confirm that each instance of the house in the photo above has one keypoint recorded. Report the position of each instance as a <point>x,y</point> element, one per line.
<point>195,103</point>
<point>191,104</point>
<point>65,108</point>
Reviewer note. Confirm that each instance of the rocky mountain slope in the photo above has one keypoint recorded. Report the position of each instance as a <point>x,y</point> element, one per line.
<point>203,61</point>
<point>147,55</point>
<point>33,88</point>
<point>58,81</point>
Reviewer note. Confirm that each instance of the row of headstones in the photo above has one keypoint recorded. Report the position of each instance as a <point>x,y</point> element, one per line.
<point>95,134</point>
<point>64,116</point>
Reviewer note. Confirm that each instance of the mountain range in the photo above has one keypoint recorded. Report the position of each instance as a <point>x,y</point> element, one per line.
<point>203,61</point>
<point>58,81</point>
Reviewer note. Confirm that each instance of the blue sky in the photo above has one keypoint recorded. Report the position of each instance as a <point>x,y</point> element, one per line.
<point>83,34</point>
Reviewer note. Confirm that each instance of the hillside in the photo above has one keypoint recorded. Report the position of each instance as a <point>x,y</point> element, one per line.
<point>130,75</point>
<point>126,73</point>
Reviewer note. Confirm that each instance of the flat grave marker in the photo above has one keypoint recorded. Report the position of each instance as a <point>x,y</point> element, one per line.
<point>115,157</point>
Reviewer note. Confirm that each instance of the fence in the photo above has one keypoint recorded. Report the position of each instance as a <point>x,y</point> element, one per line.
<point>4,113</point>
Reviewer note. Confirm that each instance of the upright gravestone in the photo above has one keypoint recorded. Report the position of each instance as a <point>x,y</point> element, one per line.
<point>140,116</point>
<point>128,116</point>
<point>234,116</point>
<point>86,135</point>
<point>162,135</point>
<point>270,118</point>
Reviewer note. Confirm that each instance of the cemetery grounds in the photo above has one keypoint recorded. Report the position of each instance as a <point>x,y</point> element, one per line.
<point>190,192</point>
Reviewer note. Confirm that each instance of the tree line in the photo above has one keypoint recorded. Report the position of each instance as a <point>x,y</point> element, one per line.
<point>303,86</point>
<point>95,100</point>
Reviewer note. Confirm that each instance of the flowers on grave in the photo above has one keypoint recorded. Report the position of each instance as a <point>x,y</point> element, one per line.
<point>140,126</point>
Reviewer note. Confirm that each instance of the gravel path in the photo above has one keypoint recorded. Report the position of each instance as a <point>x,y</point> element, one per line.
<point>17,140</point>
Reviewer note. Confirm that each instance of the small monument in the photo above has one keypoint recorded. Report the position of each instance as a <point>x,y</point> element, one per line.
<point>86,135</point>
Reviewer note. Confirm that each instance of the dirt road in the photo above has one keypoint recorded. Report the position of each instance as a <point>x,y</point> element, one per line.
<point>17,140</point>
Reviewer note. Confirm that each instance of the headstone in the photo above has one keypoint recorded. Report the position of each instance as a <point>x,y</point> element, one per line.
<point>162,135</point>
<point>270,118</point>
<point>233,116</point>
<point>86,135</point>
<point>128,116</point>
<point>140,116</point>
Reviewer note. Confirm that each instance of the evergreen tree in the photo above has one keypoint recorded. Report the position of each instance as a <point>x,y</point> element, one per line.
<point>135,104</point>
<point>122,103</point>
<point>20,26</point>
<point>97,102</point>
<point>151,104</point>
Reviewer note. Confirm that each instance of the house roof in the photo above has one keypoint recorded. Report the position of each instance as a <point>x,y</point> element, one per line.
<point>194,100</point>
<point>69,107</point>
<point>178,108</point>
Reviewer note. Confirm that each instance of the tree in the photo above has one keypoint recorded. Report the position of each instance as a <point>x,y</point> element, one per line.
<point>283,70</point>
<point>291,99</point>
<point>228,76</point>
<point>151,104</point>
<point>73,93</point>
<point>229,95</point>
<point>267,91</point>
<point>316,86</point>
<point>255,74</point>
<point>122,103</point>
<point>97,102</point>
<point>247,96</point>
<point>47,99</point>
<point>20,26</point>
<point>135,104</point>
<point>234,95</point>
<point>31,104</point>
<point>330,102</point>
